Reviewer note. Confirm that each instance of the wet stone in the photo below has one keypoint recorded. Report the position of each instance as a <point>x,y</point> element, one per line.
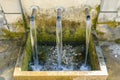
<point>72,58</point>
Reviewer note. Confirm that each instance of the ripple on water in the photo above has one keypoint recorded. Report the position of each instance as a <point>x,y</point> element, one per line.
<point>85,67</point>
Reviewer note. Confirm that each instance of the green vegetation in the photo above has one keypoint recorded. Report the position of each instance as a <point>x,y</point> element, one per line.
<point>111,24</point>
<point>12,35</point>
<point>98,8</point>
<point>19,26</point>
<point>117,41</point>
<point>25,22</point>
<point>72,31</point>
<point>100,33</point>
<point>93,56</point>
<point>95,20</point>
<point>27,55</point>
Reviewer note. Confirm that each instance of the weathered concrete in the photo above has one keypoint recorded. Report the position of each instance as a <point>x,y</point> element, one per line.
<point>105,17</point>
<point>10,6</point>
<point>110,5</point>
<point>107,33</point>
<point>110,50</point>
<point>46,4</point>
<point>109,10</point>
<point>8,56</point>
<point>11,9</point>
<point>13,6</point>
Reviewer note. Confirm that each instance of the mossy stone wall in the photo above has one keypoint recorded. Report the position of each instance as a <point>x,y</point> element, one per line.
<point>93,58</point>
<point>27,55</point>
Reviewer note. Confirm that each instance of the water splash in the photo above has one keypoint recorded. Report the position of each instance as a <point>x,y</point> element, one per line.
<point>85,67</point>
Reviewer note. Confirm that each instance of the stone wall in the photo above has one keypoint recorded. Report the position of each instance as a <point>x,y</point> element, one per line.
<point>12,7</point>
<point>109,11</point>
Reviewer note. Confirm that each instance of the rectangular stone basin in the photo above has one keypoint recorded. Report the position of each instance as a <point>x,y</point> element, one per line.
<point>98,72</point>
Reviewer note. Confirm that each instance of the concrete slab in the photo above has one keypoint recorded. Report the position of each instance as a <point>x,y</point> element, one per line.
<point>113,63</point>
<point>10,6</point>
<point>105,17</point>
<point>12,18</point>
<point>110,5</point>
<point>117,19</point>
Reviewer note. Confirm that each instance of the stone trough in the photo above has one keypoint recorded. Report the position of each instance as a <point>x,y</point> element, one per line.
<point>21,72</point>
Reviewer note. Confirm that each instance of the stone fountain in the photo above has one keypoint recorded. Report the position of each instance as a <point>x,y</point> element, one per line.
<point>61,42</point>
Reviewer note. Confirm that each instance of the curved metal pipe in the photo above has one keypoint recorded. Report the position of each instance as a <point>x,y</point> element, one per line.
<point>34,12</point>
<point>87,14</point>
<point>59,14</point>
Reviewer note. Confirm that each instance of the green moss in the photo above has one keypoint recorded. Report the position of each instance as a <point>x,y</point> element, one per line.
<point>25,22</point>
<point>111,24</point>
<point>12,35</point>
<point>98,8</point>
<point>27,55</point>
<point>67,34</point>
<point>95,20</point>
<point>80,34</point>
<point>71,30</point>
<point>93,56</point>
<point>117,41</point>
<point>46,29</point>
<point>100,33</point>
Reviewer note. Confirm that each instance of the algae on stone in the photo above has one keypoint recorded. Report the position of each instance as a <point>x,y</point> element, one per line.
<point>93,59</point>
<point>46,30</point>
<point>27,55</point>
<point>117,41</point>
<point>12,35</point>
<point>95,20</point>
<point>111,24</point>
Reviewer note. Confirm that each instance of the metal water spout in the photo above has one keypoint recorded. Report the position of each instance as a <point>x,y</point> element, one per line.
<point>87,13</point>
<point>59,14</point>
<point>34,12</point>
